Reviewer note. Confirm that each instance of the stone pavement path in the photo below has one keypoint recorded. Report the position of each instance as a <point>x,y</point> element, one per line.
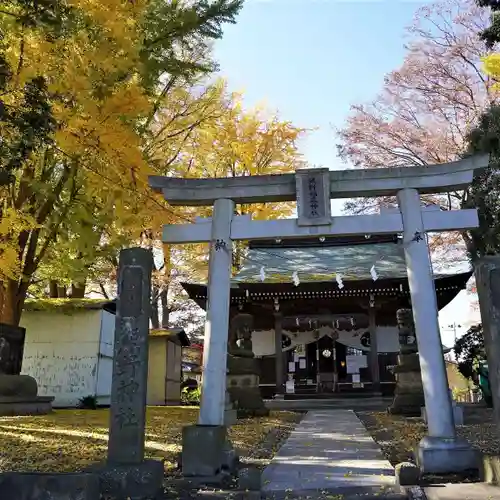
<point>464,491</point>
<point>329,451</point>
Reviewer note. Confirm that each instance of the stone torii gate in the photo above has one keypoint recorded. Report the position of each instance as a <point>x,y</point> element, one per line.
<point>313,189</point>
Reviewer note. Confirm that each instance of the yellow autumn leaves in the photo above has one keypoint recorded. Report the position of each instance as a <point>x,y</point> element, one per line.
<point>112,130</point>
<point>491,66</point>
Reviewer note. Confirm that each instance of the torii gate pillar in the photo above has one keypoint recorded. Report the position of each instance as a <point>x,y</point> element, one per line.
<point>217,323</point>
<point>440,450</point>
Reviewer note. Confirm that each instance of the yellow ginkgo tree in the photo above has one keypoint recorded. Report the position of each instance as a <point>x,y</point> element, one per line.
<point>229,142</point>
<point>76,85</point>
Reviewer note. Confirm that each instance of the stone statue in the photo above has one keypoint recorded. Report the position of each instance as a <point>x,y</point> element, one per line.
<point>409,392</point>
<point>240,338</point>
<point>4,356</point>
<point>406,328</point>
<point>243,368</point>
<point>18,393</point>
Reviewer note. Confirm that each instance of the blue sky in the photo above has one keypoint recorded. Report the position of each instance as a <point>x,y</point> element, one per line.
<point>310,60</point>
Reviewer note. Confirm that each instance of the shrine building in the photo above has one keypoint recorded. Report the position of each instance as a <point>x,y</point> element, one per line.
<point>329,304</point>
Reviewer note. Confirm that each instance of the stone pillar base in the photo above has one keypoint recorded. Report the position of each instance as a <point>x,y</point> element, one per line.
<point>206,451</point>
<point>490,469</point>
<point>408,404</point>
<point>36,485</point>
<point>25,405</point>
<point>444,455</point>
<point>142,480</point>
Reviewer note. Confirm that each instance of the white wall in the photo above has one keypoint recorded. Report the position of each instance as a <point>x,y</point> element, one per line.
<point>387,339</point>
<point>61,353</point>
<point>105,369</point>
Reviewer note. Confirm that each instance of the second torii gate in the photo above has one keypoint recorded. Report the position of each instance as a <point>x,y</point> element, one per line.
<point>313,189</point>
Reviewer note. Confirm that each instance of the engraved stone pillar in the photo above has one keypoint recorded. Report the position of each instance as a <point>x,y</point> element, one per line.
<point>126,473</point>
<point>487,272</point>
<point>130,360</point>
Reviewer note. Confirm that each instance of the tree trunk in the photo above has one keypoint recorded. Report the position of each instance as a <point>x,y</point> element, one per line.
<point>10,304</point>
<point>78,290</point>
<point>155,319</point>
<point>53,289</point>
<point>469,245</point>
<point>165,311</point>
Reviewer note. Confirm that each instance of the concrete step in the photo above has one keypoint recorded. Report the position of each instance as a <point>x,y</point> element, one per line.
<point>331,396</point>
<point>337,494</point>
<point>373,404</point>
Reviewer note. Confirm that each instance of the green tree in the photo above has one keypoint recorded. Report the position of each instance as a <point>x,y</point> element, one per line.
<point>491,35</point>
<point>469,350</point>
<point>484,192</point>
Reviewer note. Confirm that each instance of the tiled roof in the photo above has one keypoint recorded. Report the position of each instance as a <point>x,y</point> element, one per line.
<point>323,262</point>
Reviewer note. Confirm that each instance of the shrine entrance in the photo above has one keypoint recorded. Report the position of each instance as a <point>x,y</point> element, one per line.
<point>313,189</point>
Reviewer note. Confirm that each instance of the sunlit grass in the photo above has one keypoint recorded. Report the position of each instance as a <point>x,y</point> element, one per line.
<point>71,440</point>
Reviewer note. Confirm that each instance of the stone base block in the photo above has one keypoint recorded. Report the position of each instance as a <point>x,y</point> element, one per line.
<point>135,481</point>
<point>230,417</point>
<point>206,451</point>
<point>248,401</point>
<point>458,415</point>
<point>222,481</point>
<point>407,474</point>
<point>446,456</point>
<point>490,469</point>
<point>249,479</point>
<point>43,486</point>
<point>238,365</point>
<point>20,405</point>
<point>407,404</point>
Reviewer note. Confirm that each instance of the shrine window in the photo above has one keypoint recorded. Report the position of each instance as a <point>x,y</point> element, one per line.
<point>351,351</point>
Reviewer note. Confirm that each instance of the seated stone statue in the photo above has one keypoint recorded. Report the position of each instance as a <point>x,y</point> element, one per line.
<point>18,393</point>
<point>13,384</point>
<point>409,392</point>
<point>243,368</point>
<point>240,336</point>
<point>4,355</point>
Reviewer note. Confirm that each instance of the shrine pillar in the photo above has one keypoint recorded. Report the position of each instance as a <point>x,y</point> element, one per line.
<point>280,365</point>
<point>373,354</point>
<point>441,451</point>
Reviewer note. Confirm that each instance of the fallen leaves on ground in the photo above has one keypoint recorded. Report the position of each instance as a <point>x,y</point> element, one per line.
<point>71,440</point>
<point>398,436</point>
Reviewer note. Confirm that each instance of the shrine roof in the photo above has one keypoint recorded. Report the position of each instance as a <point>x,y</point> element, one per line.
<point>320,261</point>
<point>317,263</point>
